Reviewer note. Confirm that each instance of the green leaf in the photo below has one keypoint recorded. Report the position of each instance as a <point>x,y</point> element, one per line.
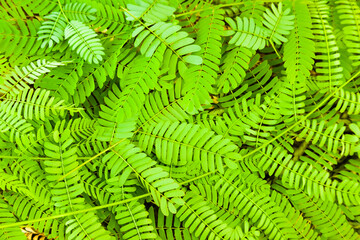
<point>52,31</point>
<point>279,22</point>
<point>150,11</point>
<point>246,33</point>
<point>84,40</point>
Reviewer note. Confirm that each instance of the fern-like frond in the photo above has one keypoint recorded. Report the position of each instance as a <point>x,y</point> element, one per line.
<point>4,65</point>
<point>26,209</point>
<point>259,78</point>
<point>324,215</point>
<point>37,104</point>
<point>205,221</point>
<point>169,227</point>
<point>180,143</point>
<point>134,221</point>
<point>234,64</point>
<point>12,126</point>
<point>62,81</point>
<point>246,33</point>
<point>349,14</point>
<point>300,175</point>
<point>62,160</point>
<point>257,207</point>
<point>328,68</point>
<point>18,40</point>
<point>179,46</point>
<point>52,30</point>
<point>76,81</point>
<point>86,226</point>
<point>350,170</point>
<point>32,7</point>
<point>112,127</point>
<point>279,22</point>
<point>346,101</point>
<point>150,11</point>
<point>125,158</point>
<point>124,102</point>
<point>326,112</point>
<point>298,61</point>
<point>13,9</point>
<point>79,128</point>
<point>260,122</point>
<point>302,226</point>
<point>198,80</point>
<point>229,124</point>
<point>332,136</point>
<point>32,144</point>
<point>111,21</point>
<point>299,51</point>
<point>89,148</point>
<point>12,183</point>
<point>180,119</point>
<point>20,78</point>
<point>30,173</point>
<point>165,105</point>
<point>84,40</point>
<point>253,9</point>
<point>292,99</point>
<point>80,12</point>
<point>319,158</point>
<point>94,77</point>
<point>140,78</point>
<point>6,217</point>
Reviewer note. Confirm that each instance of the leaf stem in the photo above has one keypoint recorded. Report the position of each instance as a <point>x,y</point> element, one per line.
<point>62,11</point>
<point>2,226</point>
<point>90,159</point>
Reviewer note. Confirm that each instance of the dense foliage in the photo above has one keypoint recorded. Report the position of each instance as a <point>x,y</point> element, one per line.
<point>179,119</point>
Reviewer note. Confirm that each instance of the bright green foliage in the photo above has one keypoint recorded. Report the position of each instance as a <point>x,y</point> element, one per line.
<point>166,223</point>
<point>328,67</point>
<point>52,31</point>
<point>235,62</point>
<point>349,14</point>
<point>36,104</point>
<point>86,226</point>
<point>83,39</point>
<point>247,33</point>
<point>18,41</point>
<point>19,79</point>
<point>10,182</point>
<point>301,225</point>
<point>63,159</point>
<point>300,175</point>
<point>149,11</point>
<point>8,217</point>
<point>178,43</point>
<point>199,79</point>
<point>336,226</point>
<point>126,158</point>
<point>279,23</point>
<point>79,11</point>
<point>12,126</point>
<point>133,217</point>
<point>178,144</point>
<point>299,51</point>
<point>180,119</point>
<point>28,209</point>
<point>69,24</point>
